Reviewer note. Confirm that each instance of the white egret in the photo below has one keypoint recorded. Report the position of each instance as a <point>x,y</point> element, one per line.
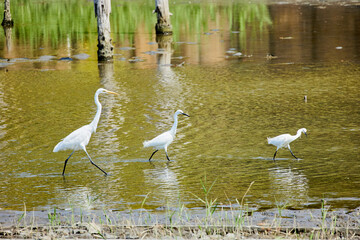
<point>163,140</point>
<point>284,140</point>
<point>79,138</point>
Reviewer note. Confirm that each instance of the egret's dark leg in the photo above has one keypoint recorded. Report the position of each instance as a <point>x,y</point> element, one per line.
<point>152,155</point>
<point>292,153</point>
<point>94,163</point>
<point>167,156</point>
<point>274,155</point>
<point>66,162</point>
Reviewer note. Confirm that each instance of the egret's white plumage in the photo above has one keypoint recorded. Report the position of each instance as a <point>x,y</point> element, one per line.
<point>78,139</point>
<point>163,140</point>
<point>284,140</point>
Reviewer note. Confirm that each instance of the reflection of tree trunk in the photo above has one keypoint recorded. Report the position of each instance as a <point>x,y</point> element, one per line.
<point>102,12</point>
<point>164,43</point>
<point>7,21</point>
<point>168,78</point>
<point>8,31</point>
<point>163,25</point>
<point>106,73</point>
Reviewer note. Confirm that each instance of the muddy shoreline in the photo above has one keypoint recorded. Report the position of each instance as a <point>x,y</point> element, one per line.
<point>314,223</point>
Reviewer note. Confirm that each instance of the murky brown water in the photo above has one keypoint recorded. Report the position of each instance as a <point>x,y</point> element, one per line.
<point>235,103</point>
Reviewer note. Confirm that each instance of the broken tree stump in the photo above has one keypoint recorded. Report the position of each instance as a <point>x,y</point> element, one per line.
<point>102,12</point>
<point>7,21</point>
<point>163,25</point>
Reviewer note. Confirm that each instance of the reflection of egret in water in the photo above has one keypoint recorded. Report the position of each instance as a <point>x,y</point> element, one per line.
<point>165,181</point>
<point>81,197</point>
<point>289,186</point>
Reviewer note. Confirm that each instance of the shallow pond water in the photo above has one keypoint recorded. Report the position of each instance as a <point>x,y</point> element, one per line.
<point>241,72</point>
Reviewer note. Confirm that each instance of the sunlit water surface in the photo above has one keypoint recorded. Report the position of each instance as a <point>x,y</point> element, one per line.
<point>234,102</point>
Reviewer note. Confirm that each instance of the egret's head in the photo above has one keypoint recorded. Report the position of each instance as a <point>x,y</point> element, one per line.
<point>103,90</point>
<point>304,131</point>
<point>181,112</point>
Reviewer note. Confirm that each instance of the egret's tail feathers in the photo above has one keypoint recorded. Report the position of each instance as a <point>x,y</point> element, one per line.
<point>146,143</point>
<point>269,139</point>
<point>57,147</point>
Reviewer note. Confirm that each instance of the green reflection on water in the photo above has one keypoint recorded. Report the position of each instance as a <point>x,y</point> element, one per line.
<point>42,22</point>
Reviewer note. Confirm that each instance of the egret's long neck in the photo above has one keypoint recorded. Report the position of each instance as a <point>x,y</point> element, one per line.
<point>95,122</point>
<point>174,127</point>
<point>298,134</point>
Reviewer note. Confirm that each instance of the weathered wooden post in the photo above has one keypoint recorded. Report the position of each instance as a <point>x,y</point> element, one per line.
<point>163,25</point>
<point>102,12</point>
<point>7,21</point>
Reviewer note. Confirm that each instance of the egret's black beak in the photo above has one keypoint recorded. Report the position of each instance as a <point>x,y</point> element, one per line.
<point>185,114</point>
<point>305,134</point>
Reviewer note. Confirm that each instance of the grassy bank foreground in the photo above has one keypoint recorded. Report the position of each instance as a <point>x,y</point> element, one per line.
<point>212,221</point>
<point>182,223</point>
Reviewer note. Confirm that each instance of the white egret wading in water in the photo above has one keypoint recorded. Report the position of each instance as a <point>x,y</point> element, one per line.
<point>284,140</point>
<point>78,139</point>
<point>163,140</point>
